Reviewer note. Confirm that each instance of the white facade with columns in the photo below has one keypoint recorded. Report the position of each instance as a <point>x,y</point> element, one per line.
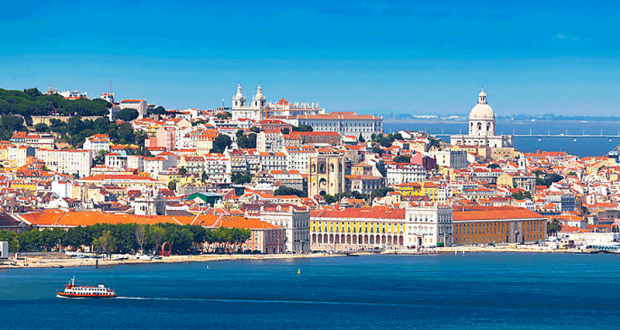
<point>482,128</point>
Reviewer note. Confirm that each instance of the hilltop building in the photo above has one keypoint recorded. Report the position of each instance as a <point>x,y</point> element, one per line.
<point>482,128</point>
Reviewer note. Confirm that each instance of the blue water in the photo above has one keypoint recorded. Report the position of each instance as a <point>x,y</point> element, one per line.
<point>473,291</point>
<point>582,147</point>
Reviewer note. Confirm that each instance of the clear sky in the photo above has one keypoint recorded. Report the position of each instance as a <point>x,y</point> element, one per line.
<point>367,56</point>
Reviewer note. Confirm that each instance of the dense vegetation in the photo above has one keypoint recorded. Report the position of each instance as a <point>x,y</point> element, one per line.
<point>10,124</point>
<point>123,238</point>
<point>246,141</point>
<point>75,131</point>
<point>31,102</point>
<point>385,140</point>
<point>222,141</point>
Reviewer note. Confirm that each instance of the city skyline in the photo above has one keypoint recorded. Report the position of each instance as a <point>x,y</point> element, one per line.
<point>382,57</point>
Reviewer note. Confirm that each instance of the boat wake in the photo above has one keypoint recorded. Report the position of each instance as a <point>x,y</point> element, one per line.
<point>265,301</point>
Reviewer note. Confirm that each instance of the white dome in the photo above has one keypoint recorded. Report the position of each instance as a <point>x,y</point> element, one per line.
<point>481,111</point>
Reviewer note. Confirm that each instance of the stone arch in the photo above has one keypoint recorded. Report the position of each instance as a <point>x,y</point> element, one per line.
<point>331,168</point>
<point>314,238</point>
<point>365,239</point>
<point>322,168</point>
<point>325,238</point>
<point>479,126</point>
<point>488,127</point>
<point>313,168</point>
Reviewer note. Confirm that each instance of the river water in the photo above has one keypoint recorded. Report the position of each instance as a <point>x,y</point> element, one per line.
<point>579,146</point>
<point>472,291</point>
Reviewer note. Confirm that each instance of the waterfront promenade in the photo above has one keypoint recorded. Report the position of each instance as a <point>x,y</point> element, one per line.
<point>51,262</point>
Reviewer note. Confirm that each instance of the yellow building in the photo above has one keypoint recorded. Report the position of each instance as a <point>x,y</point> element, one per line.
<point>419,189</point>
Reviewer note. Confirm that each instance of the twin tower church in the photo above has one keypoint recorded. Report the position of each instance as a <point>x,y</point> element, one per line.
<point>482,128</point>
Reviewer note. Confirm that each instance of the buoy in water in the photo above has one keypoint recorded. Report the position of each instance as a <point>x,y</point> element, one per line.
<point>298,271</point>
<point>207,266</point>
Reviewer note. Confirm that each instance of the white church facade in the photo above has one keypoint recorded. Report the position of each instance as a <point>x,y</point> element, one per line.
<point>482,128</point>
<point>254,111</point>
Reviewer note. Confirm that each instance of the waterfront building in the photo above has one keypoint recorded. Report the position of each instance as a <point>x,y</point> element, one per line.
<point>296,222</point>
<point>482,128</point>
<point>420,225</point>
<point>498,225</point>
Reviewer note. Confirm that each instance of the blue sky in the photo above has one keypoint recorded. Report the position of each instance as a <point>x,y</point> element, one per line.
<point>365,56</point>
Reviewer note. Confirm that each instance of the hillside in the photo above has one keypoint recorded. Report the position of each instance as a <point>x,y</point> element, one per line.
<point>31,102</point>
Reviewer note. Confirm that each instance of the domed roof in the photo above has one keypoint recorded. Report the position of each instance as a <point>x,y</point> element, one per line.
<point>482,110</point>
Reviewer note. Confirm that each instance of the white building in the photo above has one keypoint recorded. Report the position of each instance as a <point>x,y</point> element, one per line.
<point>67,161</point>
<point>298,158</point>
<point>273,161</point>
<point>482,128</point>
<point>450,158</point>
<point>286,109</point>
<point>97,143</point>
<point>297,225</point>
<point>18,155</point>
<point>269,141</point>
<point>345,123</point>
<point>428,225</point>
<point>139,105</point>
<point>254,111</point>
<point>398,173</point>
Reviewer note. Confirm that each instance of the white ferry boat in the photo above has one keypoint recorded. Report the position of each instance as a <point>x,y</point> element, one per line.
<point>75,291</point>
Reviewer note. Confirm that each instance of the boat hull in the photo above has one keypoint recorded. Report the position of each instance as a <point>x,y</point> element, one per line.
<point>73,295</point>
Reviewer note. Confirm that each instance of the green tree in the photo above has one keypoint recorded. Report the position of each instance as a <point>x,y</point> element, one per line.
<point>140,236</point>
<point>329,199</point>
<point>224,115</point>
<point>127,114</point>
<point>553,227</point>
<point>302,128</point>
<point>241,178</point>
<point>493,165</point>
<point>255,129</point>
<point>381,192</point>
<point>221,142</point>
<point>361,138</point>
<point>182,170</point>
<point>172,185</point>
<point>41,128</point>
<point>247,141</point>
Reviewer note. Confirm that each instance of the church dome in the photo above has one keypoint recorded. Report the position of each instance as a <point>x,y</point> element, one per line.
<point>482,110</point>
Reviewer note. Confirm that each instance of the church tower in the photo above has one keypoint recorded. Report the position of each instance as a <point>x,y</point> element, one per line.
<point>238,101</point>
<point>259,101</point>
